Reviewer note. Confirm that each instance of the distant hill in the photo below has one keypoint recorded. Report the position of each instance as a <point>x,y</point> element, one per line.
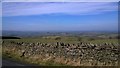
<point>54,33</point>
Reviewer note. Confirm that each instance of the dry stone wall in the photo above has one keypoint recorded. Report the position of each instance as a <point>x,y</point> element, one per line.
<point>79,54</point>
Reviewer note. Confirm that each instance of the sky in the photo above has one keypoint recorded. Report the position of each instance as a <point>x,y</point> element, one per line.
<point>60,16</point>
<point>60,0</point>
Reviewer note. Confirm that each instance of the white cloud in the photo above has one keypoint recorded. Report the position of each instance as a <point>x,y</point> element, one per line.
<point>70,8</point>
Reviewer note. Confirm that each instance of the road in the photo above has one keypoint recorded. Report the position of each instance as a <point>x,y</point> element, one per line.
<point>11,63</point>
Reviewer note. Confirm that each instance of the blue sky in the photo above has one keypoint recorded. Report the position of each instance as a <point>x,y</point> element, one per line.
<point>70,16</point>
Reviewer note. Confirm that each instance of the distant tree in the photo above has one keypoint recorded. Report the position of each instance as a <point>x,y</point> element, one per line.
<point>91,39</point>
<point>79,39</point>
<point>58,38</point>
<point>110,37</point>
<point>117,37</point>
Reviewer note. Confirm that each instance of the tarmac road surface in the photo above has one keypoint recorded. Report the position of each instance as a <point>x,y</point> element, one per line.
<point>10,63</point>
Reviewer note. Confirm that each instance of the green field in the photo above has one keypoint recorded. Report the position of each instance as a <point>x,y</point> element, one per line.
<point>65,39</point>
